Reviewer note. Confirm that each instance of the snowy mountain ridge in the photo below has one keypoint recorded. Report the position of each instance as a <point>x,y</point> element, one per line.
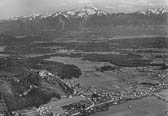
<point>84,12</point>
<point>154,11</point>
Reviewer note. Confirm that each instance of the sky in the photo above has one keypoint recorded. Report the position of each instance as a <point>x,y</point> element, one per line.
<point>11,8</point>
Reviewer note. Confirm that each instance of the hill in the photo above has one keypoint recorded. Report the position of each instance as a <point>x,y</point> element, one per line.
<point>32,82</point>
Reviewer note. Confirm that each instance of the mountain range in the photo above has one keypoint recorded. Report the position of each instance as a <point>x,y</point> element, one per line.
<point>89,20</point>
<point>84,12</point>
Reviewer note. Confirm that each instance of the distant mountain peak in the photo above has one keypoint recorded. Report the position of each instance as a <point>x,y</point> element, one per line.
<point>90,6</point>
<point>84,12</point>
<point>154,11</point>
<point>90,10</point>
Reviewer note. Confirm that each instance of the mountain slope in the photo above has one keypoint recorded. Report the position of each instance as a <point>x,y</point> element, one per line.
<point>89,20</point>
<point>24,86</point>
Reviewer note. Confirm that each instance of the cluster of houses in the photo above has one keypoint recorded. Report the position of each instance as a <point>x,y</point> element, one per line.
<point>4,108</point>
<point>41,111</point>
<point>77,108</point>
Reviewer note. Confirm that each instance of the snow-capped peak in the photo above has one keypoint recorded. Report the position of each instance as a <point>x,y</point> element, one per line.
<point>90,7</point>
<point>86,12</point>
<point>154,11</point>
<point>79,13</point>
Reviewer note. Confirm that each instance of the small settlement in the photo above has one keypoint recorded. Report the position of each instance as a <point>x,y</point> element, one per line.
<point>95,100</point>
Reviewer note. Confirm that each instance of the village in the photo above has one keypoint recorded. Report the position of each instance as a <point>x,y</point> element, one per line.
<point>99,101</point>
<point>94,99</point>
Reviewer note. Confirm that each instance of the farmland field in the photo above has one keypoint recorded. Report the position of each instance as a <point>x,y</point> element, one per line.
<point>144,107</point>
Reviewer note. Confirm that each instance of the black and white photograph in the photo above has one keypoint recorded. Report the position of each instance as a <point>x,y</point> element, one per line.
<point>83,57</point>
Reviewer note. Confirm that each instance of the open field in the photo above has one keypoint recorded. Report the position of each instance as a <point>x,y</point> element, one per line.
<point>144,107</point>
<point>108,79</point>
<point>84,65</point>
<point>91,77</point>
<point>56,105</point>
<point>164,94</point>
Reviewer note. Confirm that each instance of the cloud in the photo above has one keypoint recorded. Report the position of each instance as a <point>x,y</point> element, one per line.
<point>85,1</point>
<point>109,7</point>
<point>133,5</point>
